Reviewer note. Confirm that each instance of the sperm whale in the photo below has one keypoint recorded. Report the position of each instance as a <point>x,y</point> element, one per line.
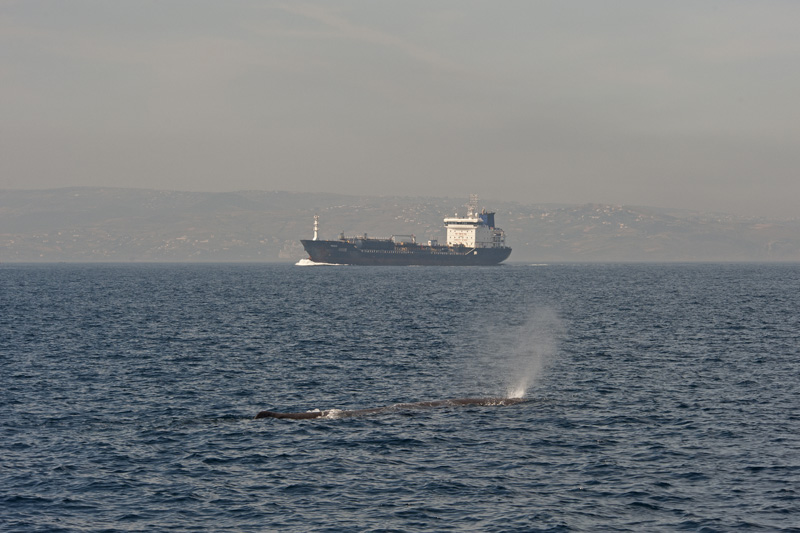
<point>337,413</point>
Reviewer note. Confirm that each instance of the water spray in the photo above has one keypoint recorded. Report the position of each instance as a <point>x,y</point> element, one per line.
<point>537,342</point>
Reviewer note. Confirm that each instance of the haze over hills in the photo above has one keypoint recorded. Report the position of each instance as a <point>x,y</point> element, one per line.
<point>111,224</point>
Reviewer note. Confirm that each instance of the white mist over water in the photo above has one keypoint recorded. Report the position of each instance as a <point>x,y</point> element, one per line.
<point>536,344</point>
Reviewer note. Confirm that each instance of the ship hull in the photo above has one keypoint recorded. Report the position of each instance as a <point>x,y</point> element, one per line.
<point>350,253</point>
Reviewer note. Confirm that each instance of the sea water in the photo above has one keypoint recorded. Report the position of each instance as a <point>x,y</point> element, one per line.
<point>659,397</point>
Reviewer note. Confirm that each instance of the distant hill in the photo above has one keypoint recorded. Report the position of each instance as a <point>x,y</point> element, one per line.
<point>110,224</point>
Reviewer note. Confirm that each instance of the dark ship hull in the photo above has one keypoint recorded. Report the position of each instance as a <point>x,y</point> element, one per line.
<point>388,252</point>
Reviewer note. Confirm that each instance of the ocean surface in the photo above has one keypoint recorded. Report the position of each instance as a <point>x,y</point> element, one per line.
<point>659,398</point>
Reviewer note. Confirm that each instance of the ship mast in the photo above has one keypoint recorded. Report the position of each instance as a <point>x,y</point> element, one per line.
<point>316,227</point>
<point>472,206</point>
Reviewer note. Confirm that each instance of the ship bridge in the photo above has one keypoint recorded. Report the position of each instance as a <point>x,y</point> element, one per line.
<point>475,230</point>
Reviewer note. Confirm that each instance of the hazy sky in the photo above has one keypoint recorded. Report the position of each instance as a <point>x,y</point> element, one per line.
<point>690,104</point>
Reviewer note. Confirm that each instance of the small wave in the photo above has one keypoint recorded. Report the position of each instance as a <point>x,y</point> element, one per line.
<point>309,262</point>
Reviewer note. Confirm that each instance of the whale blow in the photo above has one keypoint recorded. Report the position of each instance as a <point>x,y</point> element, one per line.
<point>337,413</point>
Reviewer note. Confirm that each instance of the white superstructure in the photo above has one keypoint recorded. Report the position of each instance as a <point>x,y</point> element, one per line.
<point>476,230</point>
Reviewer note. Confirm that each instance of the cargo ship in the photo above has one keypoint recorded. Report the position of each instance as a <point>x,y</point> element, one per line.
<point>472,240</point>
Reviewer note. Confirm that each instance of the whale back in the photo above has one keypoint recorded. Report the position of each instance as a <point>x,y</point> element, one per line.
<point>395,407</point>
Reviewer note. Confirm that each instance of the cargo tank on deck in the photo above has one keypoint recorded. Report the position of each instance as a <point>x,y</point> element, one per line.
<point>472,240</point>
